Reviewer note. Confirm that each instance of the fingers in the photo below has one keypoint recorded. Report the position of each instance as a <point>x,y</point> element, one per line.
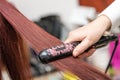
<point>84,45</point>
<point>87,54</point>
<point>82,36</point>
<point>73,36</point>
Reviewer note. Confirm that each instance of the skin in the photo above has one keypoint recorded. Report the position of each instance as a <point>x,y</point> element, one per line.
<point>88,35</point>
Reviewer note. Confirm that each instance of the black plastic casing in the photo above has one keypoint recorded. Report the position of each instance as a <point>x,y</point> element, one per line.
<point>65,50</point>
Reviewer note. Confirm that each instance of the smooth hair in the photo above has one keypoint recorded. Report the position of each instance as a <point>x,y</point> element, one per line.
<point>38,39</point>
<point>13,52</point>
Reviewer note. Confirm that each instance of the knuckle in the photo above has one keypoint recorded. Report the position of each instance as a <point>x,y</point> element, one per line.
<point>71,34</point>
<point>90,41</point>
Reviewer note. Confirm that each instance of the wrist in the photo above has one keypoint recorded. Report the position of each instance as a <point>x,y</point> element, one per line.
<point>105,22</point>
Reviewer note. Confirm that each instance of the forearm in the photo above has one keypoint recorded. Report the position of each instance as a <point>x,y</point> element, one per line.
<point>103,22</point>
<point>113,13</point>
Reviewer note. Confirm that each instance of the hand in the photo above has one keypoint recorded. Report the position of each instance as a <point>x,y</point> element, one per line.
<point>87,53</point>
<point>89,34</point>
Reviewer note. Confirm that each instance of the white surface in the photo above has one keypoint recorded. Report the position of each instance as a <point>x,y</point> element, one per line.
<point>34,9</point>
<point>5,75</point>
<point>81,14</point>
<point>100,58</point>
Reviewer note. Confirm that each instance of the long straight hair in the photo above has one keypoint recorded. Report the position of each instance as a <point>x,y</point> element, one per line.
<point>38,39</point>
<point>13,52</point>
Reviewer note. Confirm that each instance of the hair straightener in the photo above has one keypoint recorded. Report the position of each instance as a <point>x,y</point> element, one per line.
<point>65,50</point>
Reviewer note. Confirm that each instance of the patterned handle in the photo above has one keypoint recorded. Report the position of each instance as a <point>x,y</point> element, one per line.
<point>57,52</point>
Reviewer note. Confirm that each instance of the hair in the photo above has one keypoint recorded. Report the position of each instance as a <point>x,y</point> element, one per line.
<point>38,39</point>
<point>13,52</point>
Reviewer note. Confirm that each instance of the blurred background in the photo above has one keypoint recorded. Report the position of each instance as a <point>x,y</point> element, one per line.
<point>59,17</point>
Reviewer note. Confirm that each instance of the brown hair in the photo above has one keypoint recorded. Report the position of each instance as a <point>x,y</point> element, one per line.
<point>38,39</point>
<point>13,52</point>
